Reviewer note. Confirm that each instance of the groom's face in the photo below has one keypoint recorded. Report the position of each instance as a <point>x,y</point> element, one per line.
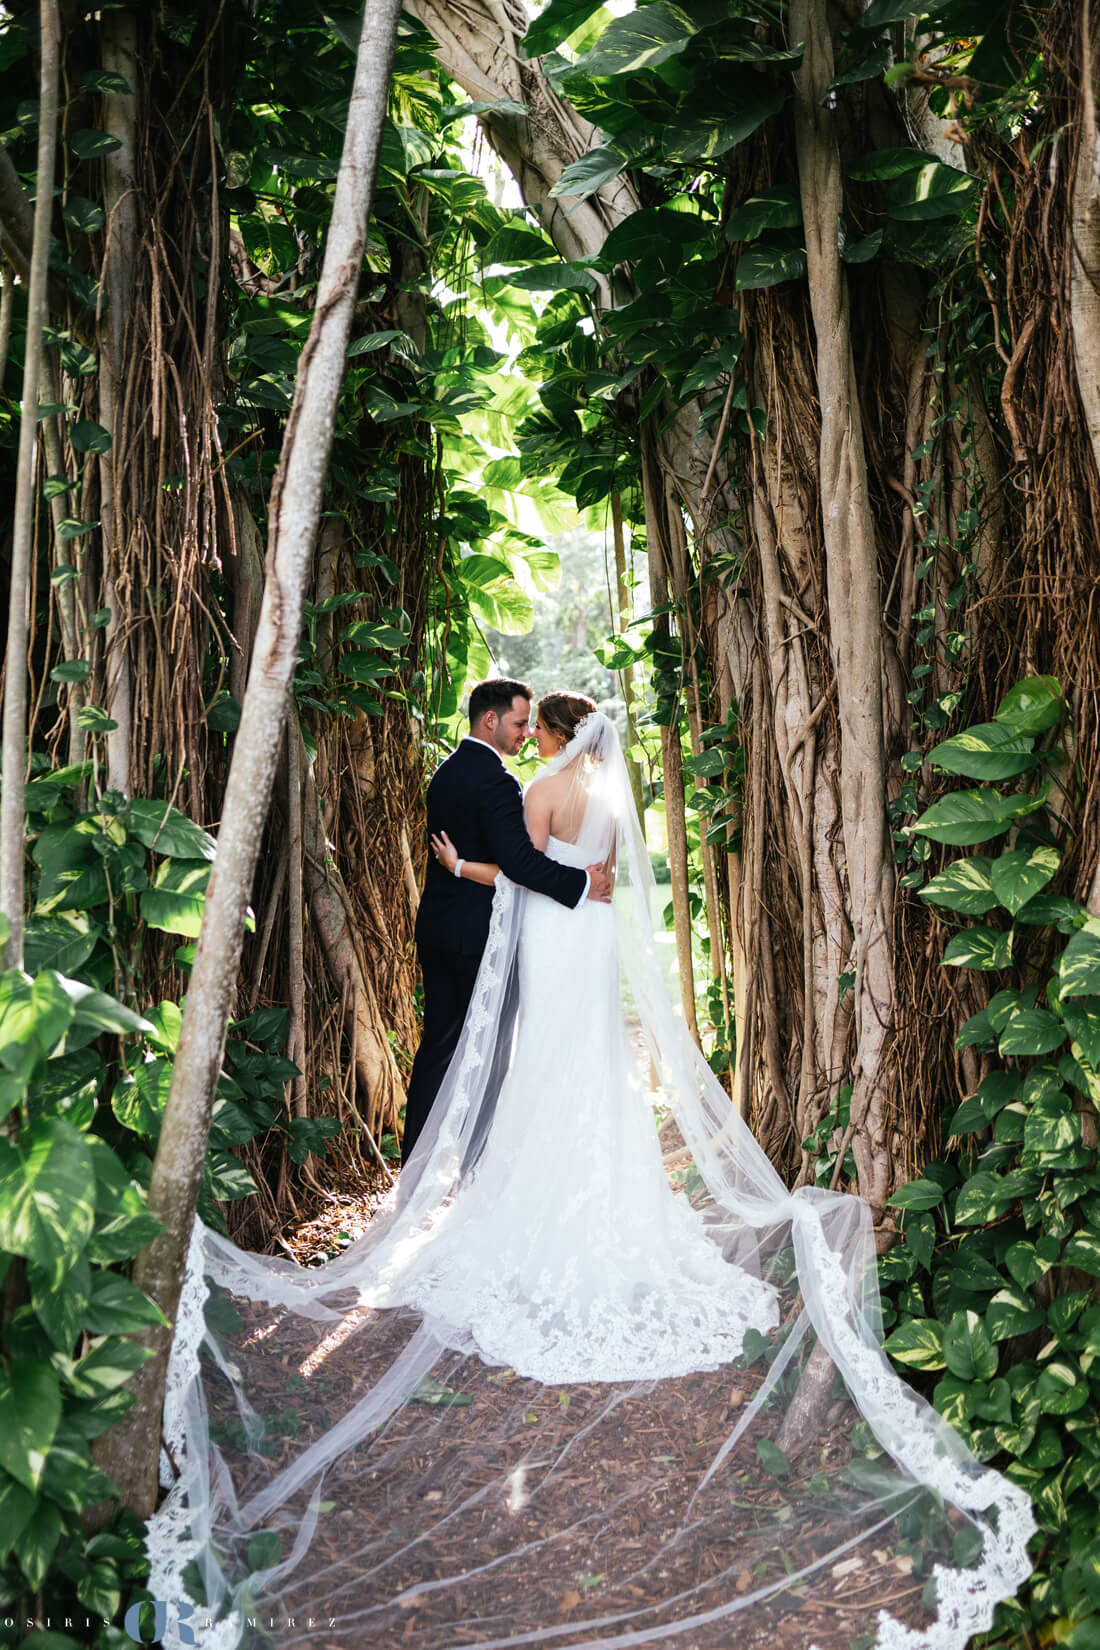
<point>511,731</point>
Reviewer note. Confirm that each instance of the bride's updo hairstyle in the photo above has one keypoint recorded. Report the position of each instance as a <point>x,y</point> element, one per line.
<point>560,712</point>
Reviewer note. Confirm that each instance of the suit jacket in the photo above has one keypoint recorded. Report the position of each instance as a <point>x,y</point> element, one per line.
<point>479,804</point>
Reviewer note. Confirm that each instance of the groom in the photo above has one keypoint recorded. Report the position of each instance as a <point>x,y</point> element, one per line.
<point>474,798</point>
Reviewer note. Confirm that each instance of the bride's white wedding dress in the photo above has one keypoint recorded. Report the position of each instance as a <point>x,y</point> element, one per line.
<point>346,1457</point>
<point>565,1253</point>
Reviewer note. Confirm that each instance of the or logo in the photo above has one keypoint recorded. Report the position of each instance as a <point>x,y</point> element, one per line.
<point>133,1618</point>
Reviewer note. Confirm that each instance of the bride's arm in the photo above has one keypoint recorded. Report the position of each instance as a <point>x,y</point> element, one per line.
<point>474,870</point>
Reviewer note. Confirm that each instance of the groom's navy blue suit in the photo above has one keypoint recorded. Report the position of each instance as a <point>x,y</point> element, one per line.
<point>474,798</point>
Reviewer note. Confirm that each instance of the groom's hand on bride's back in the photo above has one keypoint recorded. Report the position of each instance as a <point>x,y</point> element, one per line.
<point>599,884</point>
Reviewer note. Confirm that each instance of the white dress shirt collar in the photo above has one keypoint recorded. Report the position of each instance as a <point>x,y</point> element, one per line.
<point>473,738</point>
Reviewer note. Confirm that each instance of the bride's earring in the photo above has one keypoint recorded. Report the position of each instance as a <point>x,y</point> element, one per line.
<point>562,741</point>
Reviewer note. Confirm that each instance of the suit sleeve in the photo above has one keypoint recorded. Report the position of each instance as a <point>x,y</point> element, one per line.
<point>516,854</point>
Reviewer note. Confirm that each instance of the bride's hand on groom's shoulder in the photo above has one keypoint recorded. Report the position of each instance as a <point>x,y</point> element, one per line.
<point>599,884</point>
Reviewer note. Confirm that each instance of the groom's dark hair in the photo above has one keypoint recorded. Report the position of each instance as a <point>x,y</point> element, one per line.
<point>495,694</point>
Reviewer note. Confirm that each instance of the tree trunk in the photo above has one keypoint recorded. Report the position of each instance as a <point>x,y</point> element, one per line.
<point>15,681</point>
<point>1085,234</point>
<point>7,306</point>
<point>479,46</point>
<point>129,1452</point>
<point>855,601</point>
<point>375,1072</point>
<point>119,35</point>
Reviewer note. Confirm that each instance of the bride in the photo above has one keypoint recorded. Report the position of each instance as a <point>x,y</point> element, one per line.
<point>546,1399</point>
<point>565,1253</point>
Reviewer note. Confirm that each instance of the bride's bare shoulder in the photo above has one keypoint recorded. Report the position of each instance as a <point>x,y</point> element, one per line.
<point>544,789</point>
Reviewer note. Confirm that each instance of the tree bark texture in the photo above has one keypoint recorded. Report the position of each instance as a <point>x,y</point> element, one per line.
<point>1085,231</point>
<point>855,601</point>
<point>23,526</point>
<point>295,514</point>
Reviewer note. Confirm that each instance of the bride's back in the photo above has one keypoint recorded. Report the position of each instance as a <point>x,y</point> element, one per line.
<point>580,811</point>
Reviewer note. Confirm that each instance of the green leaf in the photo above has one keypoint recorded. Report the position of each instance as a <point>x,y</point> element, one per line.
<point>985,949</point>
<point>881,12</point>
<point>108,1365</point>
<point>73,527</point>
<point>501,106</point>
<point>920,1236</point>
<point>982,1199</point>
<point>167,1022</point>
<point>773,1460</point>
<point>90,144</point>
<point>583,178</point>
<point>16,1510</point>
<point>966,886</point>
<point>639,40</point>
<point>226,1177</point>
<point>864,65</point>
<point>106,81</point>
<point>555,23</point>
<point>917,1343</point>
<point>766,265</point>
<point>46,1196</point>
<point>99,1590</point>
<point>175,899</point>
<point>123,1224</point>
<point>167,831</point>
<point>1060,1389</point>
<point>1083,1022</point>
<point>553,278</point>
<point>139,1102</point>
<point>966,817</point>
<point>709,763</point>
<point>1031,1031</point>
<point>989,751</point>
<point>118,1306</point>
<point>295,163</point>
<point>63,942</point>
<point>967,1349</point>
<point>71,670</point>
<point>1020,874</point>
<point>91,719</point>
<point>60,1311</point>
<point>710,135</point>
<point>1052,1126</point>
<point>952,1398</point>
<point>861,251</point>
<point>364,634</point>
<point>1079,969</point>
<point>656,237</point>
<point>1011,1312</point>
<point>36,1546</point>
<point>30,1410</point>
<point>429,1390</point>
<point>103,1012</point>
<point>89,437</point>
<point>936,191</point>
<point>1083,1251</point>
<point>917,1194</point>
<point>83,215</point>
<point>34,1016</point>
<point>224,715</point>
<point>1032,706</point>
<point>1025,1263</point>
<point>372,341</point>
<point>890,163</point>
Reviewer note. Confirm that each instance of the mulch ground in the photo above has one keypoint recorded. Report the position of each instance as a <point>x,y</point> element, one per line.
<point>528,1508</point>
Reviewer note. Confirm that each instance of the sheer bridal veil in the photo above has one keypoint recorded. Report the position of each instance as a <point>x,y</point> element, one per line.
<point>345,1473</point>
